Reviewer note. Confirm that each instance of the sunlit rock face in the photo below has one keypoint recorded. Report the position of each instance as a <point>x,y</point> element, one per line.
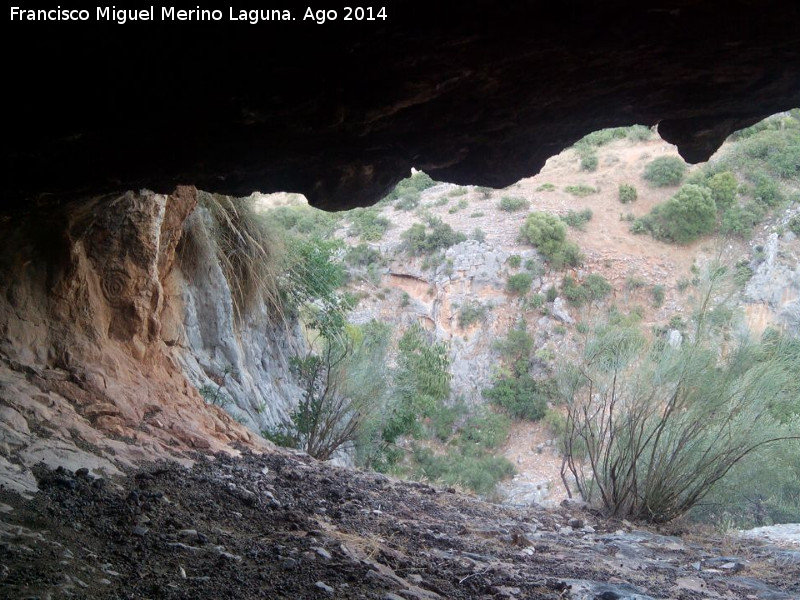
<point>471,93</point>
<point>93,340</point>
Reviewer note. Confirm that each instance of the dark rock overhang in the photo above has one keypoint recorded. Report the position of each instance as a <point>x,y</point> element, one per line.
<point>473,93</point>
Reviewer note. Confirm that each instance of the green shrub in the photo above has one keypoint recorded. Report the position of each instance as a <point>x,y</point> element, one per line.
<point>627,193</point>
<point>514,261</point>
<point>639,133</point>
<point>602,137</point>
<point>433,261</point>
<point>409,201</point>
<point>639,226</point>
<point>513,204</point>
<point>794,224</point>
<point>343,385</point>
<point>665,171</point>
<point>766,190</point>
<point>488,430</point>
<point>462,204</point>
<point>519,283</point>
<point>690,213</point>
<point>575,293</point>
<point>740,220</point>
<point>546,187</point>
<point>577,219</point>
<point>544,231</point>
<point>533,267</point>
<point>634,282</point>
<point>457,191</point>
<point>367,224</point>
<point>551,294</point>
<point>485,192</point>
<point>516,347</point>
<point>581,190</point>
<point>477,215</point>
<point>442,420</point>
<point>521,396</point>
<point>421,384</point>
<point>413,185</point>
<point>478,235</point>
<point>569,255</point>
<point>363,255</point>
<point>304,220</point>
<point>471,468</point>
<point>419,239</point>
<point>471,312</point>
<point>597,286</point>
<point>786,164</point>
<point>711,410</point>
<point>658,293</point>
<point>406,194</point>
<point>588,159</point>
<point>723,188</point>
<point>535,301</point>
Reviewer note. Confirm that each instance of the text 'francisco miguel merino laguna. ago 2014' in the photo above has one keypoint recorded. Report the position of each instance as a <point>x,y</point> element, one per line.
<point>171,13</point>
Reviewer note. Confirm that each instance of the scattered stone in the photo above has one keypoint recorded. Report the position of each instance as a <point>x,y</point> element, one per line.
<point>324,587</point>
<point>575,523</point>
<point>560,311</point>
<point>581,589</point>
<point>140,531</point>
<point>732,567</point>
<point>323,553</point>
<point>575,504</point>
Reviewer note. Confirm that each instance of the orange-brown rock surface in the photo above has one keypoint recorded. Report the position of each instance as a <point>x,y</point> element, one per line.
<point>86,379</point>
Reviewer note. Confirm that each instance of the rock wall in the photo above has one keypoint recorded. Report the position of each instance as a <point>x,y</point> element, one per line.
<point>471,272</point>
<point>772,296</point>
<point>104,342</point>
<point>244,365</point>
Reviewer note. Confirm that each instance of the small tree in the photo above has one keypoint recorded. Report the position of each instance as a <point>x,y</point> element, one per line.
<point>421,383</point>
<point>627,193</point>
<point>342,387</point>
<point>665,171</point>
<point>650,429</point>
<point>723,188</point>
<point>690,213</point>
<point>519,283</point>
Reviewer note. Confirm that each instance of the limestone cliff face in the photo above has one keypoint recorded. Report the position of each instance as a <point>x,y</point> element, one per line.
<point>104,342</point>
<point>772,296</point>
<point>472,272</point>
<point>245,365</point>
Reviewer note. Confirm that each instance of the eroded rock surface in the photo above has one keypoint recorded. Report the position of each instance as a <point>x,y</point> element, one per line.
<point>470,93</point>
<point>87,376</point>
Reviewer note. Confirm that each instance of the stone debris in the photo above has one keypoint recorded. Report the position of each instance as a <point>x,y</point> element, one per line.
<point>377,538</point>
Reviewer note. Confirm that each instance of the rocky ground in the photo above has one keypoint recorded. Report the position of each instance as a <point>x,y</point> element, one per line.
<point>285,526</point>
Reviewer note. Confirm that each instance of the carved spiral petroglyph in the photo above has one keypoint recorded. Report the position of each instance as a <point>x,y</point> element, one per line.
<point>116,284</point>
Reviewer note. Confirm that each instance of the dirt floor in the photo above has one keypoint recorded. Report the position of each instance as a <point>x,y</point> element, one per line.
<point>281,526</point>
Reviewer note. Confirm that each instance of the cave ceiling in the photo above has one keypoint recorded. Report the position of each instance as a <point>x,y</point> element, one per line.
<point>472,93</point>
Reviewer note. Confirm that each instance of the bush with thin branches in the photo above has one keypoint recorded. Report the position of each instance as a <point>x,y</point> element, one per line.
<point>650,429</point>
